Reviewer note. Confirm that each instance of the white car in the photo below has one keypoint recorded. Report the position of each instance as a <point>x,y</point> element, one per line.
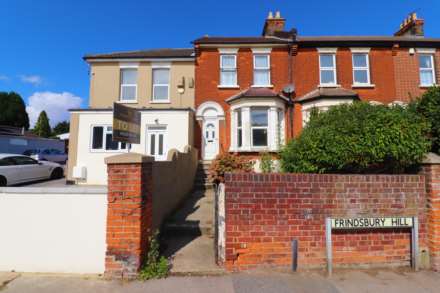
<point>15,169</point>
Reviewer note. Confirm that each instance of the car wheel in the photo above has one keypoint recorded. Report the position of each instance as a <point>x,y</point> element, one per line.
<point>3,181</point>
<point>57,173</point>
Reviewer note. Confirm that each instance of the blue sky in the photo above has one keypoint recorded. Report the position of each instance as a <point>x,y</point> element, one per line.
<point>43,41</point>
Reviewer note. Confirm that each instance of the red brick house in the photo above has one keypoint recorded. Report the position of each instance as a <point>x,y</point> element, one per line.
<point>255,93</point>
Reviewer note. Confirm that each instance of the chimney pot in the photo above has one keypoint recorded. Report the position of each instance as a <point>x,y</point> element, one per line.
<point>414,16</point>
<point>277,14</point>
<point>411,26</point>
<point>270,16</point>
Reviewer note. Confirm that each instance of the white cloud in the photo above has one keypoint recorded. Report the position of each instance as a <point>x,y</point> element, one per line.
<point>56,106</point>
<point>32,79</point>
<point>4,77</point>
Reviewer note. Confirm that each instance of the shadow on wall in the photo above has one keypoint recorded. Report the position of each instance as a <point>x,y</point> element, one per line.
<point>172,181</point>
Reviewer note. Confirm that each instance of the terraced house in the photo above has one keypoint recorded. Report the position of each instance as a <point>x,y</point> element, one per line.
<point>160,83</point>
<point>243,94</point>
<point>255,93</point>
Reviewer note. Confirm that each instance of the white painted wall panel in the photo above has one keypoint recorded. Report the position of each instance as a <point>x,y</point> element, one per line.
<point>57,233</point>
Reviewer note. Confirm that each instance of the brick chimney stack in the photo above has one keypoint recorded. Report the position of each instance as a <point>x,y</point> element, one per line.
<point>411,27</point>
<point>273,24</point>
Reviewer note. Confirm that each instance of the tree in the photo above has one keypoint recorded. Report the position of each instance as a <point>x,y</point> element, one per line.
<point>428,105</point>
<point>359,138</point>
<point>13,110</point>
<point>42,127</point>
<point>61,127</point>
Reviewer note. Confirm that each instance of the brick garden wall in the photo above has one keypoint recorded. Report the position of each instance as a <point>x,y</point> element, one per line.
<point>265,212</point>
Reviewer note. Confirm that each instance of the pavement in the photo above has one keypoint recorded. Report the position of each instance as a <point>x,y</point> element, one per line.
<point>359,281</point>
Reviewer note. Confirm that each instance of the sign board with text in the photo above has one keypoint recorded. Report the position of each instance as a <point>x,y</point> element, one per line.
<point>126,124</point>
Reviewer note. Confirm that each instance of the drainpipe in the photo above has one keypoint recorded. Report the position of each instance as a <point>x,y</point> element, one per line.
<point>290,103</point>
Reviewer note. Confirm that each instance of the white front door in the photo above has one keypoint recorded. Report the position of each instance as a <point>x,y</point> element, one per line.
<point>210,139</point>
<point>156,142</point>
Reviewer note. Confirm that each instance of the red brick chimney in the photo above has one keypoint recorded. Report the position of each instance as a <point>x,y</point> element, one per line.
<point>411,27</point>
<point>273,24</point>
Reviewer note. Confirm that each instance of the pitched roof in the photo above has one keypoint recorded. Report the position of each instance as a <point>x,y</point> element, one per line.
<point>327,93</point>
<point>256,93</point>
<point>153,53</point>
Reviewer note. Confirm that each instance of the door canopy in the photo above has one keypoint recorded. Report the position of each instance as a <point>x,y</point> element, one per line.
<point>210,110</point>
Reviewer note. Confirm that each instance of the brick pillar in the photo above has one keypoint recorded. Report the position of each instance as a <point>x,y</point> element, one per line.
<point>431,170</point>
<point>129,213</point>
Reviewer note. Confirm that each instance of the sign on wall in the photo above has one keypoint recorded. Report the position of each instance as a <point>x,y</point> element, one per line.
<point>374,223</point>
<point>126,124</point>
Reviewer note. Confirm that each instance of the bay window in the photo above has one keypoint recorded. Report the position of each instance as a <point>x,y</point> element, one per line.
<point>327,69</point>
<point>239,129</point>
<point>427,71</point>
<point>261,70</point>
<point>228,70</point>
<point>102,139</point>
<point>128,91</point>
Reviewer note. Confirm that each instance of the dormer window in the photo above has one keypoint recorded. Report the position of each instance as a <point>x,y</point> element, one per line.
<point>128,84</point>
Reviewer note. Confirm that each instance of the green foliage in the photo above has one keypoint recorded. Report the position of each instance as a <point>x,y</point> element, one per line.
<point>227,162</point>
<point>359,138</point>
<point>429,107</point>
<point>13,110</point>
<point>155,266</point>
<point>42,127</point>
<point>266,163</point>
<point>60,128</point>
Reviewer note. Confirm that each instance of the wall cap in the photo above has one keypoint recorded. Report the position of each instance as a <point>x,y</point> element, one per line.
<point>431,158</point>
<point>129,158</point>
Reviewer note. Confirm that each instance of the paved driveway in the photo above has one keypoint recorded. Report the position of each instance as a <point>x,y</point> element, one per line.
<point>400,281</point>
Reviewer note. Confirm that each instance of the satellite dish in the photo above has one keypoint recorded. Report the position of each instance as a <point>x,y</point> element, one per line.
<point>288,89</point>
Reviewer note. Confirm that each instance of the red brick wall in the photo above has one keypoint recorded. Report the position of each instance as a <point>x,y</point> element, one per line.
<point>264,212</point>
<point>128,218</point>
<point>432,173</point>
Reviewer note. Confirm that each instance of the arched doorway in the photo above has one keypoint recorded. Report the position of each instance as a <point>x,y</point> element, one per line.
<point>209,113</point>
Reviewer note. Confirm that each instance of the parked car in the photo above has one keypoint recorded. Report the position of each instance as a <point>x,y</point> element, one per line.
<point>52,155</point>
<point>15,169</point>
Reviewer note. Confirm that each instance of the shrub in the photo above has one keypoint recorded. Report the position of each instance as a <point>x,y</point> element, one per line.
<point>155,266</point>
<point>266,163</point>
<point>429,107</point>
<point>227,162</point>
<point>358,138</point>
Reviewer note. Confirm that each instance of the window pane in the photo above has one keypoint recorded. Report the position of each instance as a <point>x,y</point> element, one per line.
<point>426,77</point>
<point>97,139</point>
<point>261,61</point>
<point>239,137</point>
<point>161,76</point>
<point>24,161</point>
<point>360,60</point>
<point>326,60</point>
<point>259,137</point>
<point>123,146</point>
<point>129,76</point>
<point>328,76</point>
<point>128,92</point>
<point>160,144</point>
<point>109,143</point>
<point>160,92</point>
<point>361,76</point>
<point>152,144</point>
<point>259,117</point>
<point>261,77</point>
<point>239,120</point>
<point>228,61</point>
<point>228,78</point>
<point>425,61</point>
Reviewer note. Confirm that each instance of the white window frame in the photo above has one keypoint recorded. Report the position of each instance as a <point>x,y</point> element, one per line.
<point>228,69</point>
<point>157,129</point>
<point>251,143</point>
<point>363,68</point>
<point>432,70</point>
<point>262,69</point>
<point>153,85</point>
<point>122,85</point>
<point>104,140</point>
<point>238,115</point>
<point>335,83</point>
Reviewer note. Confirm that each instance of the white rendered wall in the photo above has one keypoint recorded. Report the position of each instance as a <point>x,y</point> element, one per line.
<point>59,232</point>
<point>176,122</point>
